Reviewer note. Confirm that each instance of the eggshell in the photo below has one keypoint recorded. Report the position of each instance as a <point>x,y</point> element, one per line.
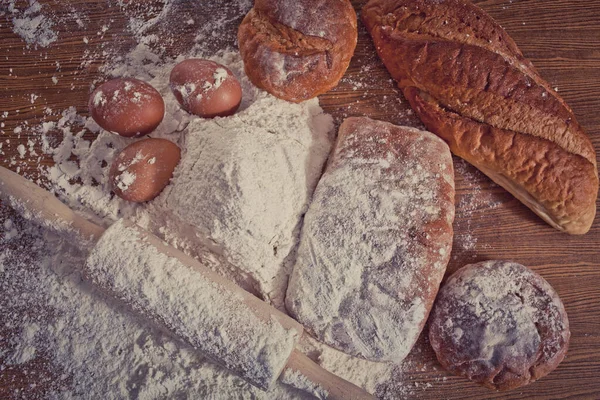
<point>143,169</point>
<point>206,88</point>
<point>127,106</point>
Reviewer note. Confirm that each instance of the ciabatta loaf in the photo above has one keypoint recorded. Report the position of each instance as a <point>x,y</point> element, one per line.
<point>470,84</point>
<point>375,241</point>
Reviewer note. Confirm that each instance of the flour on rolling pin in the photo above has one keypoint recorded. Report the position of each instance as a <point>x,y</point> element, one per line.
<point>139,269</point>
<point>298,380</point>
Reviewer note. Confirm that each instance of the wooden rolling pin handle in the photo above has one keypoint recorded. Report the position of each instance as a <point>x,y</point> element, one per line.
<point>335,387</point>
<point>43,208</point>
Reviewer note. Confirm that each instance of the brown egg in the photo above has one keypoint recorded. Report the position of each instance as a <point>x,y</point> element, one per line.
<point>143,169</point>
<point>127,106</point>
<point>205,88</point>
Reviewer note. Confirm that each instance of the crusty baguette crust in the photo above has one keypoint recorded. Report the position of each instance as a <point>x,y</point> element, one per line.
<point>528,167</point>
<point>475,80</point>
<point>298,49</point>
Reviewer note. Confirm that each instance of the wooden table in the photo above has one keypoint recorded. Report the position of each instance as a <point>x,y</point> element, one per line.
<point>561,37</point>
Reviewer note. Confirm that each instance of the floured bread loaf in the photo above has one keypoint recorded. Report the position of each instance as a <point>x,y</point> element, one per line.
<point>298,49</point>
<point>499,324</point>
<point>375,241</point>
<point>470,84</point>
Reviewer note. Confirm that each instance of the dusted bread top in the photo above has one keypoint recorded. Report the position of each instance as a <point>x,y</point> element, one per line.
<point>499,324</point>
<point>375,241</point>
<point>296,50</point>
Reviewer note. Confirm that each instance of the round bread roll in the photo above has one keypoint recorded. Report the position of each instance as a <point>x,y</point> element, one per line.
<point>297,49</point>
<point>499,324</point>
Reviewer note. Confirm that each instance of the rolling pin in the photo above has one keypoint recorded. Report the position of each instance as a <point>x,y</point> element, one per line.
<point>174,291</point>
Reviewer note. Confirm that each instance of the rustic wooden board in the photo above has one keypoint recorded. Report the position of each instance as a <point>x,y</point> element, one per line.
<point>561,37</point>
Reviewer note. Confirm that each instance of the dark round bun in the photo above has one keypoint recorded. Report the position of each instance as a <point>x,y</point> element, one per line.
<point>297,49</point>
<point>499,324</point>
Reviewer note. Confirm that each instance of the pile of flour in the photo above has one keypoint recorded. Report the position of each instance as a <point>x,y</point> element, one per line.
<point>244,183</point>
<point>238,179</point>
<point>31,24</point>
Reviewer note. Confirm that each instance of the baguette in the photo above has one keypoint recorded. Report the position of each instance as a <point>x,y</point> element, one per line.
<point>470,84</point>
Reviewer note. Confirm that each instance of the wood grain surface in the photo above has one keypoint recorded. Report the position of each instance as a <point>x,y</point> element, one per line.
<point>561,37</point>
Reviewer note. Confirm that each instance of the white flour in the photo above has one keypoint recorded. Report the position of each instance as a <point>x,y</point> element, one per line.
<point>244,183</point>
<point>33,26</point>
<point>207,87</point>
<point>297,380</point>
<point>205,314</point>
<point>95,348</point>
<point>87,345</point>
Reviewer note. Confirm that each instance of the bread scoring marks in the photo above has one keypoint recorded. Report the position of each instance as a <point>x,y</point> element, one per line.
<point>368,267</point>
<point>313,17</point>
<point>283,68</point>
<point>498,323</point>
<point>469,64</point>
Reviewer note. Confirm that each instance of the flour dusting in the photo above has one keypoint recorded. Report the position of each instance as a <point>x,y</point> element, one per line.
<point>207,315</point>
<point>470,206</point>
<point>80,343</point>
<point>376,240</point>
<point>31,24</point>
<point>244,183</point>
<point>497,316</point>
<point>297,380</point>
<point>94,348</point>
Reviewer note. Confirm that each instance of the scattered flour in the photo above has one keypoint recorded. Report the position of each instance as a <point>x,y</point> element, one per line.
<point>470,206</point>
<point>190,92</point>
<point>22,150</point>
<point>125,180</point>
<point>10,231</point>
<point>87,344</point>
<point>219,76</point>
<point>297,380</point>
<point>92,348</point>
<point>34,27</point>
